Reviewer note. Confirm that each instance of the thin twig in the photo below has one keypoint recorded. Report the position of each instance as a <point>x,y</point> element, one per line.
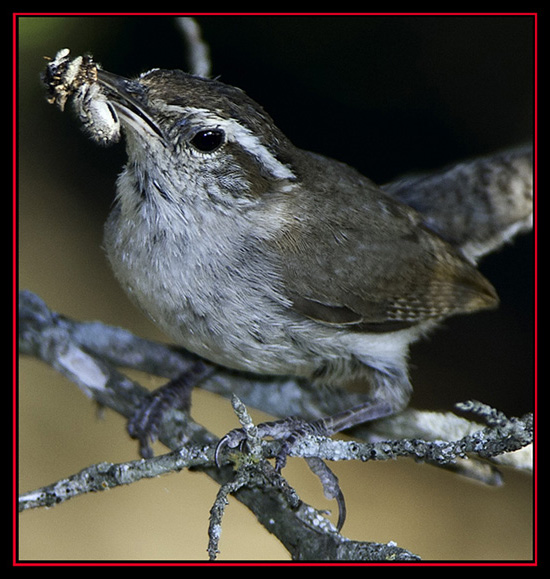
<point>106,475</point>
<point>198,50</point>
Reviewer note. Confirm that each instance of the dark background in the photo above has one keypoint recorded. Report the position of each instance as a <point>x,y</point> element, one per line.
<point>386,94</point>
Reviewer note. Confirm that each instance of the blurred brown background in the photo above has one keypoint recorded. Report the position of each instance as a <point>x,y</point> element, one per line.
<point>385,94</point>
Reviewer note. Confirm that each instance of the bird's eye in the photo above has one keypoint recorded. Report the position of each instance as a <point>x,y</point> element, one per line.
<point>208,140</point>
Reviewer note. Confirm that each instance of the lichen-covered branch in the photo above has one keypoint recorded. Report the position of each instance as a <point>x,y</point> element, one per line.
<point>91,355</point>
<point>103,476</point>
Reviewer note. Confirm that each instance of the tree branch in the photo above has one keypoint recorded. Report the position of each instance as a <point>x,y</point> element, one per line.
<point>90,353</point>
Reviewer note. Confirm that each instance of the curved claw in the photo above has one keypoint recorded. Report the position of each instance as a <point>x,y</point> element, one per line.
<point>219,447</point>
<point>287,430</point>
<point>231,440</point>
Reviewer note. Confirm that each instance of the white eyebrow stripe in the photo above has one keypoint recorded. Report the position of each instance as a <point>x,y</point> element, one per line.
<point>244,137</point>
